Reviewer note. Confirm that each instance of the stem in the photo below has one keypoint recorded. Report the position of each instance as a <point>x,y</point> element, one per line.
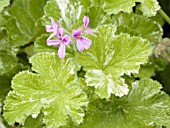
<point>74,47</point>
<point>164,15</point>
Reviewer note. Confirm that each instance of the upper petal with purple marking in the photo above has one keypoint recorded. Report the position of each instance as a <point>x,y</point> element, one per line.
<point>60,33</point>
<point>76,33</point>
<point>66,39</point>
<point>86,21</point>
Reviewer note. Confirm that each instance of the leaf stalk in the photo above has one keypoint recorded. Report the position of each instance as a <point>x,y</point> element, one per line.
<point>164,15</point>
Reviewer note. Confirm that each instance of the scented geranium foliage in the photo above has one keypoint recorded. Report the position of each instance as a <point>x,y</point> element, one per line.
<point>148,7</point>
<point>3,3</point>
<point>83,64</point>
<point>54,90</point>
<point>109,58</point>
<point>146,106</point>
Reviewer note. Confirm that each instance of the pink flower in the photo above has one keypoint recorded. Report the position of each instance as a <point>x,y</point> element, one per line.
<point>86,24</point>
<point>82,42</point>
<point>61,42</point>
<point>52,28</point>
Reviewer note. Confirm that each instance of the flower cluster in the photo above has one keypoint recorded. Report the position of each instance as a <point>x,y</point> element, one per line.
<point>58,39</point>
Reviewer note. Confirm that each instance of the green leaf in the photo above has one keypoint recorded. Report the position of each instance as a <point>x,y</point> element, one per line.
<point>116,6</point>
<point>146,71</point>
<point>53,91</point>
<point>5,86</point>
<point>97,16</point>
<point>148,7</point>
<point>137,25</point>
<point>72,13</point>
<point>158,18</point>
<point>153,66</point>
<point>8,59</point>
<point>4,3</point>
<point>34,122</point>
<point>25,15</point>
<point>40,45</point>
<point>9,65</point>
<point>144,105</point>
<point>3,20</point>
<point>109,58</point>
<point>51,9</point>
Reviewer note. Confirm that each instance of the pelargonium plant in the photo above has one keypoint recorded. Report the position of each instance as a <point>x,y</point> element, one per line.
<point>84,64</point>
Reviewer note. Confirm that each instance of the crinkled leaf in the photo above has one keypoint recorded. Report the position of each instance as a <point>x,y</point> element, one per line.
<point>137,25</point>
<point>109,58</point>
<point>34,122</point>
<point>153,66</point>
<point>51,9</point>
<point>72,13</point>
<point>41,45</point>
<point>144,105</point>
<point>146,71</point>
<point>5,86</point>
<point>53,90</point>
<point>158,18</point>
<point>9,65</point>
<point>4,3</point>
<point>97,16</point>
<point>148,7</point>
<point>25,14</point>
<point>3,20</point>
<point>8,59</point>
<point>116,6</point>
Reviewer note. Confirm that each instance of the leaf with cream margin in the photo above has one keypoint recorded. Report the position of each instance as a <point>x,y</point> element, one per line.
<point>110,57</point>
<point>54,90</point>
<point>72,13</point>
<point>148,7</point>
<point>4,3</point>
<point>137,25</point>
<point>24,16</point>
<point>146,106</point>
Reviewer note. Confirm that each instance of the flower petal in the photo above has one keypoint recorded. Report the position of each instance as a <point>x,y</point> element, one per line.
<point>51,36</point>
<point>53,42</point>
<point>86,21</point>
<point>54,25</point>
<point>86,42</point>
<point>90,32</point>
<point>66,39</point>
<point>76,33</point>
<point>61,51</point>
<point>80,45</point>
<point>49,28</point>
<point>60,32</point>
